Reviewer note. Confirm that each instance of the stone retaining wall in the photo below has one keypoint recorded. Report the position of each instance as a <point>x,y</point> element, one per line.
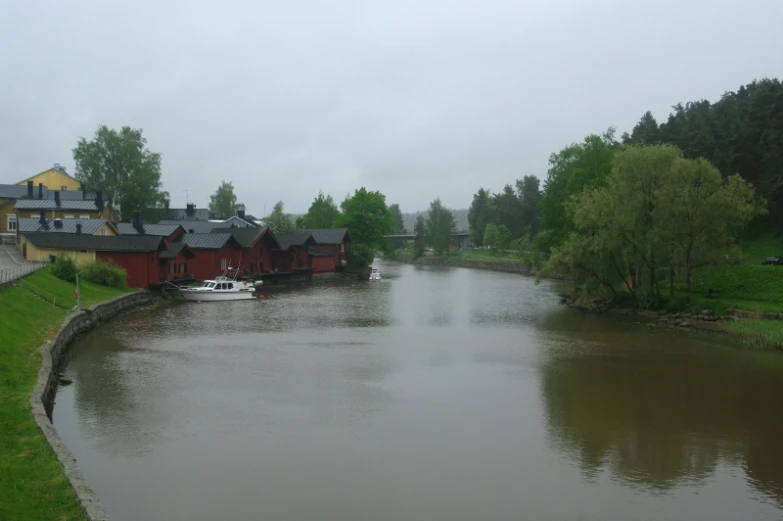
<point>42,397</point>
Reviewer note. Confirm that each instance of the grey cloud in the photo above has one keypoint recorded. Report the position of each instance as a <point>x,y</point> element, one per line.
<point>416,99</point>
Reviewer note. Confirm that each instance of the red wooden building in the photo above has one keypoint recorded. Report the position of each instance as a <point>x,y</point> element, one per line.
<point>292,252</point>
<point>257,244</point>
<point>337,241</point>
<point>214,253</point>
<point>138,255</point>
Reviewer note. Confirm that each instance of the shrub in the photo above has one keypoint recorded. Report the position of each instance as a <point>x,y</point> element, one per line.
<point>105,274</point>
<point>64,268</point>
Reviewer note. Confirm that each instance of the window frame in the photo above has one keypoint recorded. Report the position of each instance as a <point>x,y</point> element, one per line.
<point>11,218</point>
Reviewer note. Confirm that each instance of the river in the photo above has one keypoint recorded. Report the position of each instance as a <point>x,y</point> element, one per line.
<point>439,394</point>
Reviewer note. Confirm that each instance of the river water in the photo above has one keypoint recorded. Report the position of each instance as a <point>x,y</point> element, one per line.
<point>437,394</point>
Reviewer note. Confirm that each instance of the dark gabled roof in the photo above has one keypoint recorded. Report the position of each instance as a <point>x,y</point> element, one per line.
<point>164,230</point>
<point>329,235</point>
<point>173,249</point>
<point>13,191</point>
<point>51,204</point>
<point>89,226</point>
<point>248,236</point>
<point>181,214</point>
<point>197,226</point>
<point>210,241</point>
<point>72,241</point>
<point>315,252</point>
<point>294,239</point>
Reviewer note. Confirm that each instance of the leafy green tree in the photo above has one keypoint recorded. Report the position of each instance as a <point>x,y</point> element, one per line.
<point>223,203</point>
<point>280,222</point>
<point>502,238</point>
<point>481,213</point>
<point>322,213</point>
<point>700,214</point>
<point>571,170</point>
<point>398,225</point>
<point>742,132</point>
<point>656,211</point>
<point>368,220</point>
<point>529,189</point>
<point>440,226</point>
<point>420,241</point>
<point>489,235</point>
<point>119,163</point>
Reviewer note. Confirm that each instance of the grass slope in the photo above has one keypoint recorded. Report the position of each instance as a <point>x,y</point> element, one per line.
<point>31,478</point>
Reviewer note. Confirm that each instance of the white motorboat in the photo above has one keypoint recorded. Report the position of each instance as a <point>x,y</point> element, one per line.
<point>375,274</point>
<point>225,287</point>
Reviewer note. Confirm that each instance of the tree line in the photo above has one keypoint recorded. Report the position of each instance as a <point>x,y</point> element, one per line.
<point>632,218</point>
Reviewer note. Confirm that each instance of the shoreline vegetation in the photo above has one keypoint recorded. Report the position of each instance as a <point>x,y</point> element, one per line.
<point>31,477</point>
<point>745,303</point>
<point>673,218</point>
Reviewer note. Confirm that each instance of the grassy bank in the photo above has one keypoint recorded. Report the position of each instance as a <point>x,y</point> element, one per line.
<point>757,334</point>
<point>31,478</point>
<point>477,256</point>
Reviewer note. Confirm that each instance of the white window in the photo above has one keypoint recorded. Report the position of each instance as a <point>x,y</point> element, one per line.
<point>103,232</point>
<point>342,248</point>
<point>84,217</point>
<point>12,223</point>
<point>68,216</point>
<point>64,188</point>
<point>223,264</point>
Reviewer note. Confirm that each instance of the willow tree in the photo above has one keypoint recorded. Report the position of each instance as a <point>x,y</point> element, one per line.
<point>657,211</point>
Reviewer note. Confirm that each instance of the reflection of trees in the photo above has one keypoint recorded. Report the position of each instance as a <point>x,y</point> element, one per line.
<point>657,412</point>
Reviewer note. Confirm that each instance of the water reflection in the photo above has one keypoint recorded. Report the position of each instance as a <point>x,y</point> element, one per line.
<point>440,394</point>
<point>656,414</point>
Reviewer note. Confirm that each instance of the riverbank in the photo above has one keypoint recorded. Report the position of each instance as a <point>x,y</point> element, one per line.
<point>31,476</point>
<point>741,300</point>
<point>472,260</point>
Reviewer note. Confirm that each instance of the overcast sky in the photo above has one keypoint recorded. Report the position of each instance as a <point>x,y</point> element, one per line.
<point>416,99</point>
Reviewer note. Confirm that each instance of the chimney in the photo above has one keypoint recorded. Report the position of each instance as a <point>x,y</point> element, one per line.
<point>42,219</point>
<point>191,209</point>
<point>78,228</point>
<point>99,200</point>
<point>30,189</point>
<point>137,224</point>
<point>58,224</point>
<point>190,231</point>
<point>40,190</point>
<point>84,192</point>
<point>241,214</point>
<point>57,198</point>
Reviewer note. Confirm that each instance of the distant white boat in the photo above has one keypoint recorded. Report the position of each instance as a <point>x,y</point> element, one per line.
<point>375,274</point>
<point>223,288</point>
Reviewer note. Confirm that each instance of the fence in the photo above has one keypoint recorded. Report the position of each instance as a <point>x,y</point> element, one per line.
<point>17,272</point>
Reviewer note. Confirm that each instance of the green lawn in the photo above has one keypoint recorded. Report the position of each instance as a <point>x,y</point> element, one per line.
<point>31,478</point>
<point>746,284</point>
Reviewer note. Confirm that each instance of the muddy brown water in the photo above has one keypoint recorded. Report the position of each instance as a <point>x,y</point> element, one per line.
<point>437,394</point>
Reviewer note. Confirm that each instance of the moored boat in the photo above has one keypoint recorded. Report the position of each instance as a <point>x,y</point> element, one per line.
<point>224,288</point>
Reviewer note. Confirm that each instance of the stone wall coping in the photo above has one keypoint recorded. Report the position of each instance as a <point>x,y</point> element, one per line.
<point>42,397</point>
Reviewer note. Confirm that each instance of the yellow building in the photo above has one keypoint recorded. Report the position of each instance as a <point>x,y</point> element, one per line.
<point>54,178</point>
